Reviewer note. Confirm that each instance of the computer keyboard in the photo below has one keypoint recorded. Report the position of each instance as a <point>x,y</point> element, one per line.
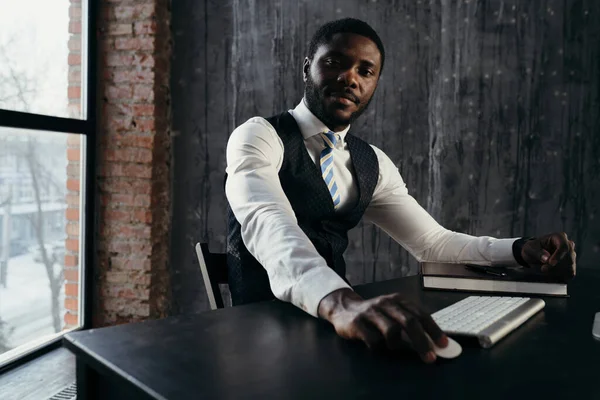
<point>488,318</point>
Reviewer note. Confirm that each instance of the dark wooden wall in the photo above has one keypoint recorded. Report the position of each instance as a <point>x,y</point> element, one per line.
<point>490,109</point>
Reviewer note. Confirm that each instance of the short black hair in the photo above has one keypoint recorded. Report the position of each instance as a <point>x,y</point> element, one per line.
<point>345,25</point>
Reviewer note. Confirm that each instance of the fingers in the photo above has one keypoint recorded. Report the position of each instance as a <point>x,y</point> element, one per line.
<point>429,326</point>
<point>561,243</point>
<point>545,257</point>
<point>434,331</point>
<point>391,322</point>
<point>389,328</point>
<point>379,331</point>
<point>563,261</point>
<point>396,327</point>
<point>570,263</point>
<point>574,264</point>
<point>419,340</point>
<point>533,253</point>
<point>417,327</point>
<point>369,334</point>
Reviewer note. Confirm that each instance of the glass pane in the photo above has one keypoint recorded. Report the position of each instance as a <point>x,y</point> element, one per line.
<point>40,215</point>
<point>41,57</point>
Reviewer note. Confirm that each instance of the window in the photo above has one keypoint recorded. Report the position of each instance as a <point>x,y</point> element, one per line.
<point>36,63</point>
<point>47,137</point>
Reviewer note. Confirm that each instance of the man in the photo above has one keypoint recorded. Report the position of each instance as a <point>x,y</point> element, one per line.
<point>297,182</point>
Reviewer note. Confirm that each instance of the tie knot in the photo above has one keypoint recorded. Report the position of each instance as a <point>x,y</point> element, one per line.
<point>329,139</point>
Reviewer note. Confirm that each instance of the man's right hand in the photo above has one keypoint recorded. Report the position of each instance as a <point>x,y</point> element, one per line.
<point>382,322</point>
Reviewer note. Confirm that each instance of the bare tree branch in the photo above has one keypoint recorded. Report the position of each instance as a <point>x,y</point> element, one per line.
<point>21,88</point>
<point>47,260</point>
<point>16,80</point>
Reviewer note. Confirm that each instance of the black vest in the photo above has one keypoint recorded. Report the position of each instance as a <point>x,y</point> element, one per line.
<point>310,199</point>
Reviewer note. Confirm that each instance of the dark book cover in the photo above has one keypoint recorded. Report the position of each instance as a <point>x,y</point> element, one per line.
<point>496,279</point>
<point>513,273</point>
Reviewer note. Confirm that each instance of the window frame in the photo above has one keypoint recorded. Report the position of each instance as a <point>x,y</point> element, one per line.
<point>86,127</point>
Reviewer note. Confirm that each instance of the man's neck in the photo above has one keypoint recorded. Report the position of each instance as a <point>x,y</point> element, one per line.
<point>331,127</point>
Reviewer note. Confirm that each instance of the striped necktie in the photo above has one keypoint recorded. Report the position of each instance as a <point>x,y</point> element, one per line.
<point>327,166</point>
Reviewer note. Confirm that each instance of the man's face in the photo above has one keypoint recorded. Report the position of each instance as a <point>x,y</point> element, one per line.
<point>341,78</point>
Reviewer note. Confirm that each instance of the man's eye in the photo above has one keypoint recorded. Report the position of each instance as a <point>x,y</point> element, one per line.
<point>332,62</point>
<point>367,72</point>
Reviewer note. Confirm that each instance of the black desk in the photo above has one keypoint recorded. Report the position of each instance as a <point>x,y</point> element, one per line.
<point>274,351</point>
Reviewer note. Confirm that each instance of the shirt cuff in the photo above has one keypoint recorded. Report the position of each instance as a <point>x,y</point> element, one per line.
<point>517,248</point>
<point>501,251</point>
<point>315,284</point>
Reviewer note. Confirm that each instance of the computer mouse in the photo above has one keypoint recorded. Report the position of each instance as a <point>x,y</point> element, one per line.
<point>453,349</point>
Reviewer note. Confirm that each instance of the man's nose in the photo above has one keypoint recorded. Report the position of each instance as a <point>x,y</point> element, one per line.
<point>348,77</point>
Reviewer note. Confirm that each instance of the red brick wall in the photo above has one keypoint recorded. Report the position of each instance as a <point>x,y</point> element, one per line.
<point>71,262</point>
<point>134,162</point>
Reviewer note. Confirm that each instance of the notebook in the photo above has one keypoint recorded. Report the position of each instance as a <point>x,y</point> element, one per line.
<point>500,279</point>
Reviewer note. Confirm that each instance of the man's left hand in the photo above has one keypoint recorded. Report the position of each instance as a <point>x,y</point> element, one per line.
<point>553,253</point>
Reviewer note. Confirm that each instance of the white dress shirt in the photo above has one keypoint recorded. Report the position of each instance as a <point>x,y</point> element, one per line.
<point>269,229</point>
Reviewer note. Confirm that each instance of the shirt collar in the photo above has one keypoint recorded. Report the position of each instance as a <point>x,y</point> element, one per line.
<point>309,124</point>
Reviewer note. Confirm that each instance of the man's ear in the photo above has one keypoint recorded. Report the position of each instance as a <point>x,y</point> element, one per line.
<point>305,68</point>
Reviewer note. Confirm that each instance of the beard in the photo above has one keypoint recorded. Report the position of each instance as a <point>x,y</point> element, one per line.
<point>315,100</point>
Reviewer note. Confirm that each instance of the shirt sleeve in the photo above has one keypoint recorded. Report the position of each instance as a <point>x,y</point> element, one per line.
<point>269,228</point>
<point>400,216</point>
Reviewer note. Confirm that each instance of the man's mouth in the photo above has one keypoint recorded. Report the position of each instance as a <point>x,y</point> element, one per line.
<point>344,98</point>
